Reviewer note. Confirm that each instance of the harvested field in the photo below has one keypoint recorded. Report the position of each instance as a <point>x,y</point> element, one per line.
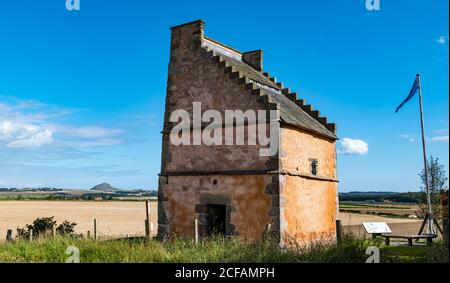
<point>119,218</point>
<point>353,223</point>
<point>114,218</point>
<point>400,210</point>
<point>349,219</point>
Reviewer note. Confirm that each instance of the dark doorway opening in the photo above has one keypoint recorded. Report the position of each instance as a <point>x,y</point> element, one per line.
<point>217,219</point>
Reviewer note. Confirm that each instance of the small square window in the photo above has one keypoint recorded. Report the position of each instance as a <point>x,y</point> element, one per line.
<point>314,164</point>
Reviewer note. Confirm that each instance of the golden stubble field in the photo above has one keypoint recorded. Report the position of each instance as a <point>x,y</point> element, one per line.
<point>121,218</point>
<point>114,218</point>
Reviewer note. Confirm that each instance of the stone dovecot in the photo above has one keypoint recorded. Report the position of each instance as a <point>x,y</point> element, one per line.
<point>231,188</point>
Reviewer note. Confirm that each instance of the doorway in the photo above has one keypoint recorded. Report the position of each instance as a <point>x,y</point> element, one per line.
<point>217,219</point>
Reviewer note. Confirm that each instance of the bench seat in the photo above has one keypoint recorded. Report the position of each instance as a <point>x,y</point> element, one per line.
<point>410,238</point>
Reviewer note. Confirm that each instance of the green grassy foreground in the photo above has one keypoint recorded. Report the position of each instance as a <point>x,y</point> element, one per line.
<point>217,250</point>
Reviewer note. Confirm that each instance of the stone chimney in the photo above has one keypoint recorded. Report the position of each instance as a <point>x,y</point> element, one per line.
<point>187,36</point>
<point>254,59</point>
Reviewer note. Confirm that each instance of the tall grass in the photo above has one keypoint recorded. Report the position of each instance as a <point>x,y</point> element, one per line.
<point>215,250</point>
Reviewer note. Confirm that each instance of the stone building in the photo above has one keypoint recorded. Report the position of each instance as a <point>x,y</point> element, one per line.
<point>232,189</point>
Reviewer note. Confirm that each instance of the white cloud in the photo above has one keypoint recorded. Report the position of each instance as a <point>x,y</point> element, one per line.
<point>409,138</point>
<point>439,139</point>
<point>353,147</point>
<point>17,135</point>
<point>96,143</point>
<point>442,39</point>
<point>88,132</point>
<point>440,131</point>
<point>31,124</point>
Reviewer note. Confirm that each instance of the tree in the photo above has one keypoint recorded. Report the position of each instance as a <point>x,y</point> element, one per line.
<point>437,178</point>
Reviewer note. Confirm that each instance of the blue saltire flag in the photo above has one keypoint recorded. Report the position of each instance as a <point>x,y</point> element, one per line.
<point>412,92</point>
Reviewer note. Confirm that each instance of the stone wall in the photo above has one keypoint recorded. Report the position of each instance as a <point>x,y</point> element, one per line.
<point>298,147</point>
<point>184,198</point>
<point>308,203</point>
<point>194,77</point>
<point>256,190</point>
<point>307,210</point>
<point>193,176</point>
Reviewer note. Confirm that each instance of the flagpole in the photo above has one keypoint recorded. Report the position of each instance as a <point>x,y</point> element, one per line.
<point>430,216</point>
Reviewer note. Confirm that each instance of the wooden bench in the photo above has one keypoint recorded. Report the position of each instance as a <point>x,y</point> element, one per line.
<point>410,238</point>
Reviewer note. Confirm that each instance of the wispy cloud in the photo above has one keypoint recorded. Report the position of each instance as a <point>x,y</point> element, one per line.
<point>43,144</point>
<point>439,139</point>
<point>441,135</point>
<point>442,39</point>
<point>351,146</point>
<point>440,131</point>
<point>409,138</point>
<point>32,124</point>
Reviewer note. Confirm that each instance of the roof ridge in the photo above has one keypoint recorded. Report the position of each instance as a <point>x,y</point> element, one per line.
<point>293,96</point>
<point>222,44</point>
<point>252,86</point>
<point>240,78</point>
<point>286,91</point>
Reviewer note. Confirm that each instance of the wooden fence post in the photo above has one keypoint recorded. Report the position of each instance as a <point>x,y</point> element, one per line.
<point>196,230</point>
<point>147,229</point>
<point>54,232</point>
<point>268,228</point>
<point>147,220</point>
<point>30,235</point>
<point>88,234</point>
<point>9,235</point>
<point>338,231</point>
<point>95,229</point>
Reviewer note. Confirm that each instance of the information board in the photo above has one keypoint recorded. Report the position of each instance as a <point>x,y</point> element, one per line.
<point>377,228</point>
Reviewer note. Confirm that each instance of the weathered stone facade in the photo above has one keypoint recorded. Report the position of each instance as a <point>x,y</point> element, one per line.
<point>255,191</point>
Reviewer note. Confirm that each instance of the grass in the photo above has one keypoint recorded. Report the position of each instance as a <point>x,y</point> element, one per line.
<point>216,250</point>
<point>418,254</point>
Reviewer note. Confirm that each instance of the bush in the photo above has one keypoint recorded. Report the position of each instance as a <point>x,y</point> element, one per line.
<point>42,225</point>
<point>66,228</point>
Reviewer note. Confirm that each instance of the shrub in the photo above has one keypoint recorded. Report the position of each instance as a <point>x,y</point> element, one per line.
<point>66,228</point>
<point>42,225</point>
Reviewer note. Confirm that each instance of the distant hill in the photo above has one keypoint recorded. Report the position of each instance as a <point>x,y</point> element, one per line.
<point>104,187</point>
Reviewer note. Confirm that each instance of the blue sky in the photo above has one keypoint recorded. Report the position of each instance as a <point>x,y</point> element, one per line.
<point>82,92</point>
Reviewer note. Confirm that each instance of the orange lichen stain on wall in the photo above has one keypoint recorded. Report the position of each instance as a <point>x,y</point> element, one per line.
<point>309,210</point>
<point>179,214</point>
<point>250,205</point>
<point>297,147</point>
